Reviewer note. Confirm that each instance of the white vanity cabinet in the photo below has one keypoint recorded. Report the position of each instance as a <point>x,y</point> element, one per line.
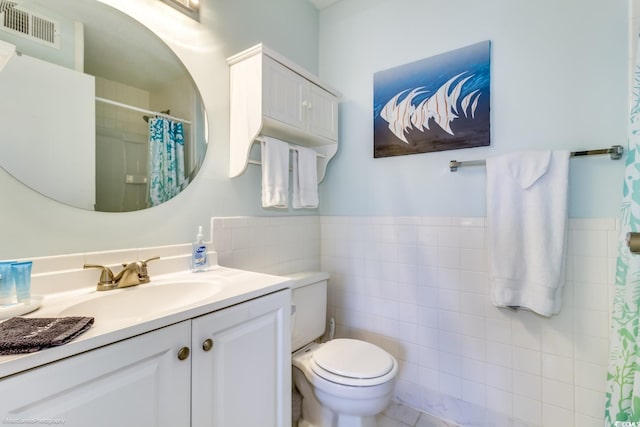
<point>242,365</point>
<point>136,382</point>
<point>272,96</point>
<point>166,378</point>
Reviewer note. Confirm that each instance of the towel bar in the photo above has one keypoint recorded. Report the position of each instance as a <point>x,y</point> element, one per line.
<point>615,151</point>
<point>291,148</point>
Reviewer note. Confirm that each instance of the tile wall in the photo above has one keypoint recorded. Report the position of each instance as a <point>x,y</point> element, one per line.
<point>274,245</point>
<point>122,148</point>
<point>118,118</point>
<point>417,286</point>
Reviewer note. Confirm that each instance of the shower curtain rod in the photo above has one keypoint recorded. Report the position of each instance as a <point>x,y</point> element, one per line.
<point>141,110</point>
<point>615,151</point>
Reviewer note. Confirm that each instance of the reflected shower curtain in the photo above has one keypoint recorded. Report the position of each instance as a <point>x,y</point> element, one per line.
<point>166,159</point>
<point>623,376</point>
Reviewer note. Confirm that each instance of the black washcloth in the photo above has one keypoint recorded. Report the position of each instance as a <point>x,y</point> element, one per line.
<point>27,335</point>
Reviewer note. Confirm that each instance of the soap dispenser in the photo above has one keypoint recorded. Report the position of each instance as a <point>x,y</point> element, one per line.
<point>199,256</point>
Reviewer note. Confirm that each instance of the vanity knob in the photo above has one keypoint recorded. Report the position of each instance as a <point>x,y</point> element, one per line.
<point>207,344</point>
<point>183,353</point>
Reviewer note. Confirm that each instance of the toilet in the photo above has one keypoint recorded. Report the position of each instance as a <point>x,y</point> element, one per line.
<point>343,382</point>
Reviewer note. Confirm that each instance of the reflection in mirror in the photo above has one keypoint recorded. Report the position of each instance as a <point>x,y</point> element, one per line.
<point>96,111</point>
<point>7,50</point>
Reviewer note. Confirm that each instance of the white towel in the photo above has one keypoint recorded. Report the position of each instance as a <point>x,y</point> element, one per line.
<point>275,173</point>
<point>305,178</point>
<point>527,219</point>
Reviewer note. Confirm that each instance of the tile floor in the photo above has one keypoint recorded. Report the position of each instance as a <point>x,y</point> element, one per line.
<point>398,415</point>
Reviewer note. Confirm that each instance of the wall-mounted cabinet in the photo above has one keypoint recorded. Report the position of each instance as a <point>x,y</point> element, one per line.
<point>274,97</point>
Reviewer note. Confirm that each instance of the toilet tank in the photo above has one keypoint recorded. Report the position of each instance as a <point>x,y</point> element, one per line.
<point>309,297</point>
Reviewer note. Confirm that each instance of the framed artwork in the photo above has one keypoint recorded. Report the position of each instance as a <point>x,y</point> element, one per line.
<point>434,104</point>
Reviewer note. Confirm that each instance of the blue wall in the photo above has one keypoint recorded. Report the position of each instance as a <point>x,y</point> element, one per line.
<point>558,81</point>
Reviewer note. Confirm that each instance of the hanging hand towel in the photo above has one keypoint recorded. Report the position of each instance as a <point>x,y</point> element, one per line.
<point>275,173</point>
<point>26,335</point>
<point>305,178</point>
<point>527,218</point>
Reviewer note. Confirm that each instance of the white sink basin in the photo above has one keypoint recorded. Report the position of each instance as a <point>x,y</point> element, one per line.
<point>142,302</point>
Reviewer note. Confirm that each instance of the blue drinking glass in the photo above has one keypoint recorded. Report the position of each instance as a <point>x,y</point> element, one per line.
<point>6,283</point>
<point>21,272</point>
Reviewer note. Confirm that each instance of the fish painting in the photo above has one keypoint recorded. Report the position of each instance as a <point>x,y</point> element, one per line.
<point>442,107</point>
<point>399,113</point>
<point>438,103</point>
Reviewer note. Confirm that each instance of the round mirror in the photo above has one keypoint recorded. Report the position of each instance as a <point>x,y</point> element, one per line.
<point>95,110</point>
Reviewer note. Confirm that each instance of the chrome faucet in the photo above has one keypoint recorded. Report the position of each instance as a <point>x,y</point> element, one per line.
<point>132,274</point>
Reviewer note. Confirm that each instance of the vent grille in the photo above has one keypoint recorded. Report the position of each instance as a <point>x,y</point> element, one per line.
<point>27,24</point>
<point>43,29</point>
<point>6,5</point>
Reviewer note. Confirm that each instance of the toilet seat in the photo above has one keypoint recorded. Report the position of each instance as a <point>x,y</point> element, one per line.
<point>353,362</point>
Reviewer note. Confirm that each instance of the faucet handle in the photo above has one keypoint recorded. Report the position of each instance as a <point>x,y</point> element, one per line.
<point>106,277</point>
<point>155,258</point>
<point>144,274</point>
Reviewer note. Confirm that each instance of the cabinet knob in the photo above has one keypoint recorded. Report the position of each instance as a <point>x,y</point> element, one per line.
<point>207,344</point>
<point>183,353</point>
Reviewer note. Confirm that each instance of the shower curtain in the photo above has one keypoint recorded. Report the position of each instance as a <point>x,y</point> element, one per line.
<point>166,159</point>
<point>623,376</point>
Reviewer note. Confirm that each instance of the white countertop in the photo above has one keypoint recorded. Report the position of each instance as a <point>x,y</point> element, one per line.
<point>236,286</point>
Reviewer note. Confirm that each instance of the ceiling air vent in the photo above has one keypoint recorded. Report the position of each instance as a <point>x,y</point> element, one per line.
<point>28,24</point>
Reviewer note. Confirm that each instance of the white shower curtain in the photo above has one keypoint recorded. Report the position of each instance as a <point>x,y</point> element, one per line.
<point>166,159</point>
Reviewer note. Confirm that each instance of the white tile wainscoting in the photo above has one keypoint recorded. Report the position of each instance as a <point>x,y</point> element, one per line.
<point>273,245</point>
<point>417,286</point>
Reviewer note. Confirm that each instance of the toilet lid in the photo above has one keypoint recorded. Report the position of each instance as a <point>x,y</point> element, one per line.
<point>352,359</point>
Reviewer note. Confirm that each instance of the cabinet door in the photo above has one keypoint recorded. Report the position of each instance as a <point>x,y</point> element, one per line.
<point>285,94</point>
<point>323,113</point>
<point>244,379</point>
<point>132,383</point>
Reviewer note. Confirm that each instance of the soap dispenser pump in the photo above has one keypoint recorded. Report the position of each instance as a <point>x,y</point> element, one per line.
<point>199,256</point>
